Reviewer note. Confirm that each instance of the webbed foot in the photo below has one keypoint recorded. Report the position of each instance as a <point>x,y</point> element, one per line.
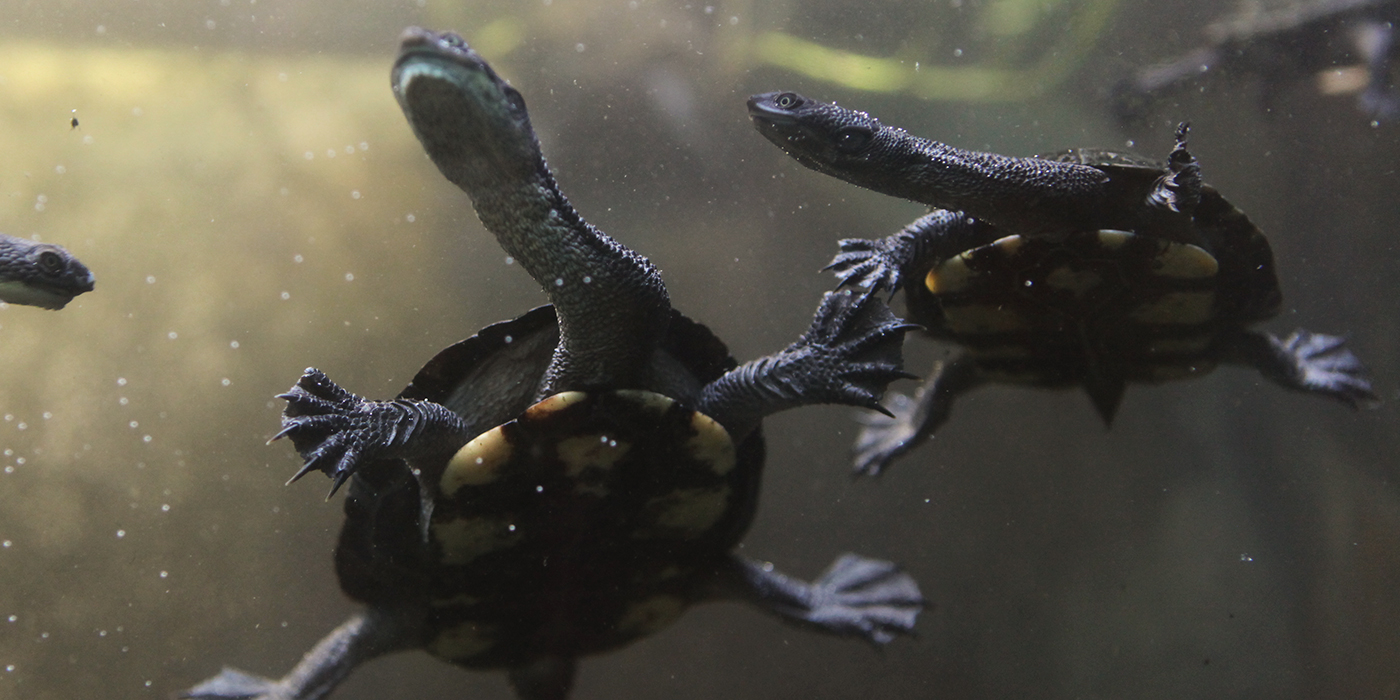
<point>364,636</point>
<point>885,264</point>
<point>852,350</point>
<point>233,684</point>
<point>850,353</point>
<point>856,596</point>
<point>908,421</point>
<point>1320,364</point>
<point>871,265</point>
<point>886,437</point>
<point>336,431</point>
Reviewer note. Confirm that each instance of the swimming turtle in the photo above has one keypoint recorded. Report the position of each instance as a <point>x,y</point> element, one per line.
<point>566,482</point>
<point>40,274</point>
<point>1091,268</point>
<point>1343,46</point>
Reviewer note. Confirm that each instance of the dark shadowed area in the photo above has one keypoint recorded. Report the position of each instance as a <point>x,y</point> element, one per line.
<point>252,203</point>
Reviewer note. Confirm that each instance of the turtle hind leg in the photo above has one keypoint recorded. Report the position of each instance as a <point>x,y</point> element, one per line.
<point>1178,189</point>
<point>910,420</point>
<point>852,350</point>
<point>364,636</point>
<point>233,684</point>
<point>855,596</point>
<point>1311,362</point>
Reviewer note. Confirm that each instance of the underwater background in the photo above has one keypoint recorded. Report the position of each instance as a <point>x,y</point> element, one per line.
<point>252,202</point>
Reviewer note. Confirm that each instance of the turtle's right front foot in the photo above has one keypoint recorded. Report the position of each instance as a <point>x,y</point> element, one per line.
<point>336,431</point>
<point>852,350</point>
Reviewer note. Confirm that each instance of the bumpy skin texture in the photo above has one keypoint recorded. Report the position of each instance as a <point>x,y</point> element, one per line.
<point>566,482</point>
<point>40,274</point>
<point>1088,299</point>
<point>1279,48</point>
<point>1032,196</point>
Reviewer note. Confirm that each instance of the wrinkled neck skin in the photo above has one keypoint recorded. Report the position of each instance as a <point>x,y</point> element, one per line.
<point>1025,195</point>
<point>1021,194</point>
<point>612,305</point>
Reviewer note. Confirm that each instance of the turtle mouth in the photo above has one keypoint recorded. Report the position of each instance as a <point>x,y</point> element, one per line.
<point>470,121</point>
<point>763,111</point>
<point>44,296</point>
<point>417,45</point>
<point>776,124</point>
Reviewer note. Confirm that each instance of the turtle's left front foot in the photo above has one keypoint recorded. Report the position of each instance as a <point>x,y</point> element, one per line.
<point>856,596</point>
<point>1322,364</point>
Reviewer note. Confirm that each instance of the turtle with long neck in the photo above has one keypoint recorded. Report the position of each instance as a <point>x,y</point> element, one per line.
<point>569,481</point>
<point>1088,269</point>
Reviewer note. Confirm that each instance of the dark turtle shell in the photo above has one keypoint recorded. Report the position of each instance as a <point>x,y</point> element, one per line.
<point>567,527</point>
<point>1248,290</point>
<point>1051,310</point>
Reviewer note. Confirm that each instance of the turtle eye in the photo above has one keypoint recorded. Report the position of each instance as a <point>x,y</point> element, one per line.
<point>853,139</point>
<point>788,100</point>
<point>517,101</point>
<point>50,262</point>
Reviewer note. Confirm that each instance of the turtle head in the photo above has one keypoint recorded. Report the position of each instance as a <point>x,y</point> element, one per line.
<point>844,143</point>
<point>40,274</point>
<point>451,96</point>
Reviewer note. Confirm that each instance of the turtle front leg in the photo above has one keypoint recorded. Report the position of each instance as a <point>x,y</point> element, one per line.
<point>910,420</point>
<point>365,636</point>
<point>336,431</point>
<point>852,350</point>
<point>1306,361</point>
<point>889,263</point>
<point>855,596</point>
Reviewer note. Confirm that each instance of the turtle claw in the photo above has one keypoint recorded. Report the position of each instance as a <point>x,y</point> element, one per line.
<point>335,431</point>
<point>1322,364</point>
<point>871,265</point>
<point>853,349</point>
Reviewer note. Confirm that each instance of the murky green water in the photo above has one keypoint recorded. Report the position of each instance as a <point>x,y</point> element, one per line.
<point>252,203</point>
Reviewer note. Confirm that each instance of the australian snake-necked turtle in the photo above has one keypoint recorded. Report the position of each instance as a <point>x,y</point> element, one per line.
<point>569,481</point>
<point>1090,269</point>
<point>40,274</point>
